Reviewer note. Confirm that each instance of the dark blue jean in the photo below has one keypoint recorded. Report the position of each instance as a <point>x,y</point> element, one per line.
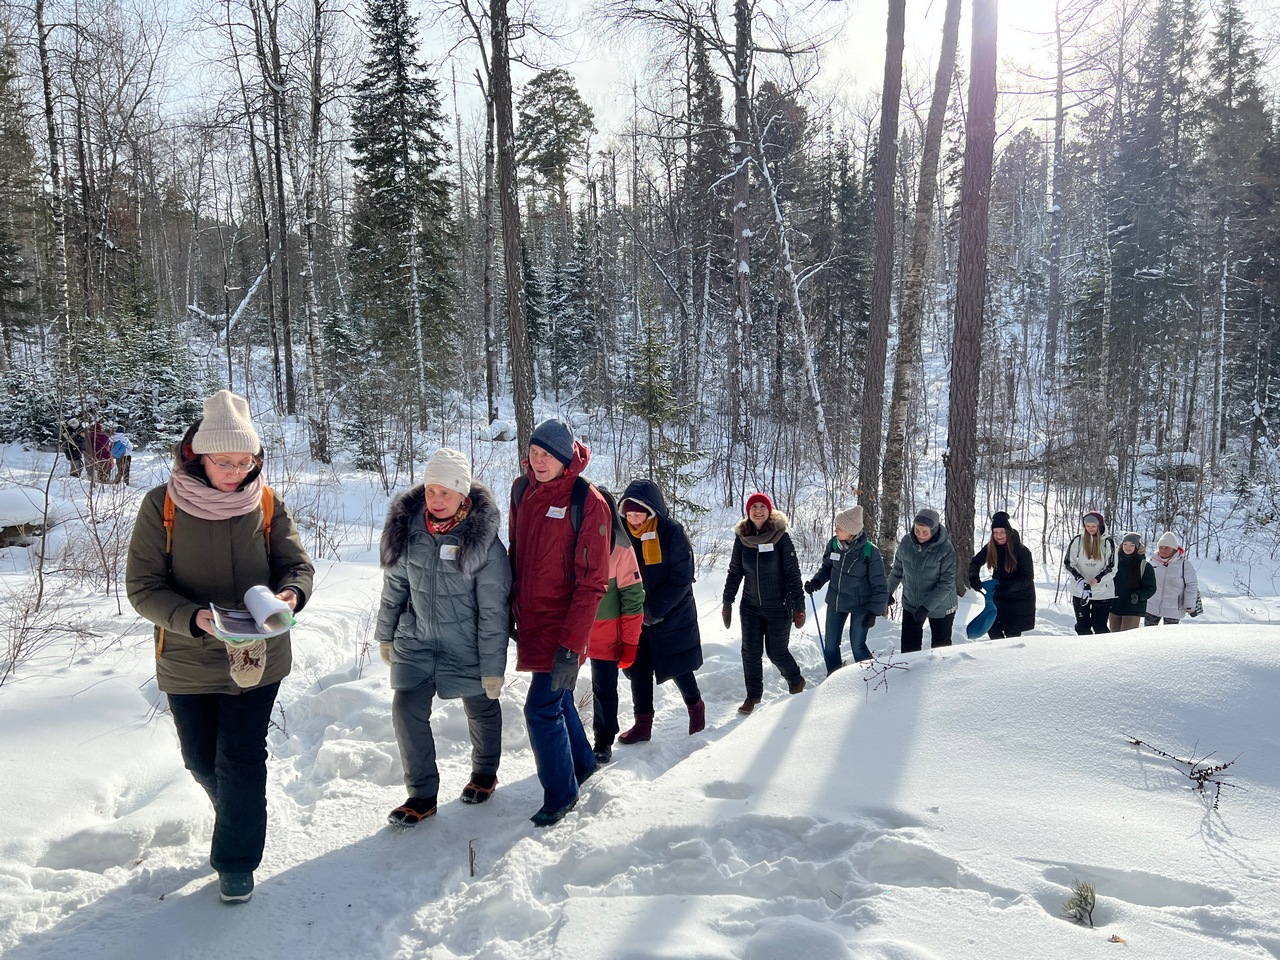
<point>224,744</point>
<point>832,638</point>
<point>561,749</point>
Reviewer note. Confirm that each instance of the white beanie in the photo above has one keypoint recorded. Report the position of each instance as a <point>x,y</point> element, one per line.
<point>449,468</point>
<point>226,427</point>
<point>1168,539</point>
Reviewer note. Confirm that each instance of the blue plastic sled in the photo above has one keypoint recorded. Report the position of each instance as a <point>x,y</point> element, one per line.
<point>987,616</point>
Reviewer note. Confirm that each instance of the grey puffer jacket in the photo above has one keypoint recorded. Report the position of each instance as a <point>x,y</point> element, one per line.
<point>927,572</point>
<point>444,597</point>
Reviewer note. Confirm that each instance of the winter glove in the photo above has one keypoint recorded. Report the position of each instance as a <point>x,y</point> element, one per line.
<point>651,621</point>
<point>809,586</point>
<point>1087,596</point>
<point>492,686</point>
<point>1084,586</point>
<point>890,607</point>
<point>628,656</point>
<point>798,618</point>
<point>564,670</point>
<point>869,621</point>
<point>385,650</point>
<point>726,614</point>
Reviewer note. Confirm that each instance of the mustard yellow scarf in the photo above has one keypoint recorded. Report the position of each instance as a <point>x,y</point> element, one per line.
<point>650,549</point>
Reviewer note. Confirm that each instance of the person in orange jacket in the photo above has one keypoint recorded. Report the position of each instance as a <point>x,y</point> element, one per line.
<point>616,634</point>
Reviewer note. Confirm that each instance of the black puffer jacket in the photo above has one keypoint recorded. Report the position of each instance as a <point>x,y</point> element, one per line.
<point>670,613</point>
<point>764,561</point>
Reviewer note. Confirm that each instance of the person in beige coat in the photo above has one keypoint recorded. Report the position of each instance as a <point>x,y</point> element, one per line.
<point>205,537</point>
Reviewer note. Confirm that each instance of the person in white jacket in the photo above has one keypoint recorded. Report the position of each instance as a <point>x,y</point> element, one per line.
<point>1176,586</point>
<point>1091,561</point>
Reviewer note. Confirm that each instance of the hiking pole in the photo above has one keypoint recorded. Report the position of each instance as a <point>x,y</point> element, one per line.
<point>814,603</point>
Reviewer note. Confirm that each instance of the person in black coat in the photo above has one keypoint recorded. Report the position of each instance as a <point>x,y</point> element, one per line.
<point>1013,569</point>
<point>670,644</point>
<point>764,561</point>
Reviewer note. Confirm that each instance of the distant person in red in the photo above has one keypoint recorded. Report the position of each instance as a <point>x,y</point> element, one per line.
<point>99,442</point>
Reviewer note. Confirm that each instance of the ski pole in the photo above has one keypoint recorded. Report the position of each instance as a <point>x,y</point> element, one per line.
<point>814,603</point>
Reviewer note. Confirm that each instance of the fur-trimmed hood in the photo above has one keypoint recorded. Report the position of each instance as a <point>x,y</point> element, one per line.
<point>474,534</point>
<point>771,532</point>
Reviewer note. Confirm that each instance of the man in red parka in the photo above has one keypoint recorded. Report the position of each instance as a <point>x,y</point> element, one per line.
<point>559,572</point>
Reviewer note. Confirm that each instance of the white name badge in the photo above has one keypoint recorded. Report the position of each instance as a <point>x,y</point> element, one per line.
<point>766,548</point>
<point>449,551</point>
<point>835,554</point>
<point>557,513</point>
<point>650,535</point>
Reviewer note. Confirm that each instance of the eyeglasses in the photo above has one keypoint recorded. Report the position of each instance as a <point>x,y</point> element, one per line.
<point>232,467</point>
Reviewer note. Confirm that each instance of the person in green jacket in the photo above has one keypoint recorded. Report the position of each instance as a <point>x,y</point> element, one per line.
<point>1135,584</point>
<point>205,537</point>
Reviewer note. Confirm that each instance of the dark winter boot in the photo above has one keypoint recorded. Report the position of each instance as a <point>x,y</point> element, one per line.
<point>796,685</point>
<point>643,729</point>
<point>697,716</point>
<point>603,750</point>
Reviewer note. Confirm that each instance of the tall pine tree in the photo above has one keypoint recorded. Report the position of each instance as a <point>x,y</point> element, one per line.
<point>402,229</point>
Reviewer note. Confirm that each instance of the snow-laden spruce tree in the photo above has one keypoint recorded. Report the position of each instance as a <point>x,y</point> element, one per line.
<point>402,239</point>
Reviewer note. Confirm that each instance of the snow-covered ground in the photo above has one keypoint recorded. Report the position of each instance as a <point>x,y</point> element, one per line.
<point>943,809</point>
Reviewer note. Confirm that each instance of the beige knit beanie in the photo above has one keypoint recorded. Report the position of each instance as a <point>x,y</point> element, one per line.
<point>450,469</point>
<point>850,520</point>
<point>1168,539</point>
<point>226,427</point>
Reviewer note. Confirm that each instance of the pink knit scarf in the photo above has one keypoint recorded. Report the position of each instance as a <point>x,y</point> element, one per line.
<point>208,503</point>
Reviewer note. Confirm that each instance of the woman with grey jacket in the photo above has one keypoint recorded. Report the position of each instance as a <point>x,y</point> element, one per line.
<point>442,625</point>
<point>925,565</point>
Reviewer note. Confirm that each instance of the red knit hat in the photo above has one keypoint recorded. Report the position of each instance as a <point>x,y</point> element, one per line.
<point>758,498</point>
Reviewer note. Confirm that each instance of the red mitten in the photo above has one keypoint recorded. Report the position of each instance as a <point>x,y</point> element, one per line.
<point>628,656</point>
<point>798,618</point>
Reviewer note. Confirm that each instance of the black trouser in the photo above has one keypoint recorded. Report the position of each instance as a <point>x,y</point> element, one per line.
<point>224,745</point>
<point>766,631</point>
<point>641,676</point>
<point>604,695</point>
<point>913,630</point>
<point>1091,615</point>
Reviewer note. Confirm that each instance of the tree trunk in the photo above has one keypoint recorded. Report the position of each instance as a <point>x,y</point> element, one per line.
<point>57,213</point>
<point>521,358</point>
<point>490,341</point>
<point>740,349</point>
<point>1055,209</point>
<point>882,275</point>
<point>961,459</point>
<point>317,364</point>
<point>911,310</point>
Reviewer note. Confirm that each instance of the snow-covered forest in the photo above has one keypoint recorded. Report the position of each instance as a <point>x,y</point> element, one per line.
<point>736,256</point>
<point>1032,272</point>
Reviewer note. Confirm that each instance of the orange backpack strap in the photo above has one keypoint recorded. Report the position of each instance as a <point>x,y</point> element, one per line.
<point>268,514</point>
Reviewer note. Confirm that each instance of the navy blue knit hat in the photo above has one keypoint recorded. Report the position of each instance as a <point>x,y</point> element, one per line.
<point>555,437</point>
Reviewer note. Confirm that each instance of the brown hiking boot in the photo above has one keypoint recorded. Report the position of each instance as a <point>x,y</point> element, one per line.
<point>797,686</point>
<point>748,704</point>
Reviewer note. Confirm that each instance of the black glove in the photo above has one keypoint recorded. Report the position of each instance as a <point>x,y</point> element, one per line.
<point>1133,598</point>
<point>809,586</point>
<point>869,621</point>
<point>726,614</point>
<point>564,670</point>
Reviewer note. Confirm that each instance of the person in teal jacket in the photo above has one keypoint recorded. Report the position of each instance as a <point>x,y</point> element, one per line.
<point>858,588</point>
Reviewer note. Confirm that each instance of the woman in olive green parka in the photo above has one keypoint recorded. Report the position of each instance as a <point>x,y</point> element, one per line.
<point>219,544</point>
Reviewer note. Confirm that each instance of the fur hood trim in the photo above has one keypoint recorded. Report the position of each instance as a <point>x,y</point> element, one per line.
<point>474,534</point>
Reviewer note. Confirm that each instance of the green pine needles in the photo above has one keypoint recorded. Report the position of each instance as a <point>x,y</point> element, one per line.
<point>1079,906</point>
